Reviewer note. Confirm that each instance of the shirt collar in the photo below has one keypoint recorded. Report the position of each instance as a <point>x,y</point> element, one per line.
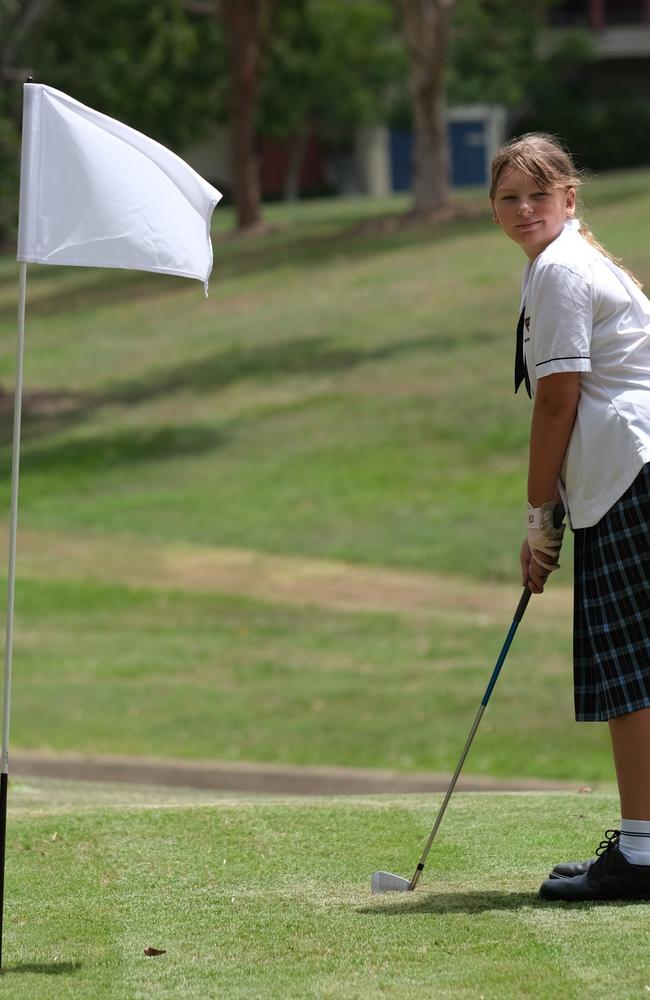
<point>570,226</point>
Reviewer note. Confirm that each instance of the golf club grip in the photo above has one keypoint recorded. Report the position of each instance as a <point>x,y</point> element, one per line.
<point>523,604</point>
<point>519,613</point>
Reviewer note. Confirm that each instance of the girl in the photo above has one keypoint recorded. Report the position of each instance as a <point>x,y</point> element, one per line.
<point>583,351</point>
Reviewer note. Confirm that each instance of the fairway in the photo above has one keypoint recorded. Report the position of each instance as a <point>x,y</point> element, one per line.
<point>270,898</point>
<point>282,524</point>
<point>309,312</point>
<point>202,675</point>
<point>341,394</point>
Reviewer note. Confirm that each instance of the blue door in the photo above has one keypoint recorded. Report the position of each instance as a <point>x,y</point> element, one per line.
<point>467,149</point>
<point>401,147</point>
<point>468,153</point>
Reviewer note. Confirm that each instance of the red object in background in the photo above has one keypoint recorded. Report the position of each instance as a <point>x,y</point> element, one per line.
<point>274,162</point>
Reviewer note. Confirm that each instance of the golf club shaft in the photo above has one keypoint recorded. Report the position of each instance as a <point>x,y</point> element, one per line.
<point>521,607</point>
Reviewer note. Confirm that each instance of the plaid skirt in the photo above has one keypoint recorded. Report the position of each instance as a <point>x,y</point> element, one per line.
<point>611,615</point>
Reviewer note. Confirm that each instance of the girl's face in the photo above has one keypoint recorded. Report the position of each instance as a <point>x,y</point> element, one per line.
<point>529,215</point>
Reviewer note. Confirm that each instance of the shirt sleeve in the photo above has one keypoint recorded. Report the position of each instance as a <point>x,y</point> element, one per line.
<point>561,319</point>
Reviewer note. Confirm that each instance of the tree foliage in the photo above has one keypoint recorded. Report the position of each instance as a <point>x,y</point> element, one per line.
<point>331,65</point>
<point>152,65</point>
<point>495,52</point>
<point>20,21</point>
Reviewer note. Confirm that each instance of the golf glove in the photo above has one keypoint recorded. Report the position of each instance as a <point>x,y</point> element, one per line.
<point>544,537</point>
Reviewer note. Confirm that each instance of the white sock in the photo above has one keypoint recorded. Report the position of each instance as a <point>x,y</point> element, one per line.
<point>635,841</point>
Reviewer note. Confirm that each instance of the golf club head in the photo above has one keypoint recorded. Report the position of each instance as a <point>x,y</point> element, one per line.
<point>387,882</point>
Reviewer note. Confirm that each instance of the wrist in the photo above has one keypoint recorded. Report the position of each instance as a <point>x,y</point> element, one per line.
<point>545,531</point>
<point>538,516</point>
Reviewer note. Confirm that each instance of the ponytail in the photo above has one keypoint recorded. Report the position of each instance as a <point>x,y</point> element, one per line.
<point>587,235</point>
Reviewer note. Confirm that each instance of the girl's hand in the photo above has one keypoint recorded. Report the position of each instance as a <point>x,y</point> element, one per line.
<point>533,575</point>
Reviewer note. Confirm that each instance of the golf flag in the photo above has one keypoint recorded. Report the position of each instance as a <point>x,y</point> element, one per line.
<point>96,193</point>
<point>93,193</point>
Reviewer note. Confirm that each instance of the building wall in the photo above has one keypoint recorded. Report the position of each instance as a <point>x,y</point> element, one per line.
<point>377,162</point>
<point>599,14</point>
<point>620,32</point>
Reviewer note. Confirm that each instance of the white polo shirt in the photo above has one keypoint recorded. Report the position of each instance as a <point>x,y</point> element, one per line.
<point>584,314</point>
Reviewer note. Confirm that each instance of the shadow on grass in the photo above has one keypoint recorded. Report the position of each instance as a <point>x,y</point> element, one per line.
<point>301,356</point>
<point>106,286</point>
<point>452,902</point>
<point>48,413</point>
<point>354,241</point>
<point>284,247</point>
<point>477,902</point>
<point>134,446</point>
<point>42,968</point>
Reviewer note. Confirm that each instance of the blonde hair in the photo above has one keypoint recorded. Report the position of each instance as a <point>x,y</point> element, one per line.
<point>544,158</point>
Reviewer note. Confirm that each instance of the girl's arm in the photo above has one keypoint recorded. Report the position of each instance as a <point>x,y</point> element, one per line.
<point>554,414</point>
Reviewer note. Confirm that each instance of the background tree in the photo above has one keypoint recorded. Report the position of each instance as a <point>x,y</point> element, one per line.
<point>247,24</point>
<point>152,66</point>
<point>606,123</point>
<point>149,65</point>
<point>495,53</point>
<point>531,70</point>
<point>246,28</point>
<point>425,25</point>
<point>331,68</point>
<point>19,23</point>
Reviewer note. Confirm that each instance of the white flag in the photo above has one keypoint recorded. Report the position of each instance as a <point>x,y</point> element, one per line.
<point>96,193</point>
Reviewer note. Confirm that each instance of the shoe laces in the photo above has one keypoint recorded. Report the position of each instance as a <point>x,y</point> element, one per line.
<point>607,845</point>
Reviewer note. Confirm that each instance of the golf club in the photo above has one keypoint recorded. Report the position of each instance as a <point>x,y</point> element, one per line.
<point>387,882</point>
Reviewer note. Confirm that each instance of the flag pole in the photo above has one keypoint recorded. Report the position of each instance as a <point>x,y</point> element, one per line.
<point>11,582</point>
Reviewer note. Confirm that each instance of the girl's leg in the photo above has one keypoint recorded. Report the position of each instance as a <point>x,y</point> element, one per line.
<point>622,870</point>
<point>630,735</point>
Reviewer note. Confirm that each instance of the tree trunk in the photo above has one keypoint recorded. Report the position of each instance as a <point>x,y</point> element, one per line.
<point>426,29</point>
<point>247,25</point>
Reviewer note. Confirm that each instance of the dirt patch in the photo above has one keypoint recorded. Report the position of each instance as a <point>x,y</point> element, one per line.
<point>286,580</point>
<point>268,779</point>
<point>45,403</point>
<point>282,579</point>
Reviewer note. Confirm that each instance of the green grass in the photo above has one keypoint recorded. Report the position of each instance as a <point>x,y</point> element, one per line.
<point>263,898</point>
<point>344,395</point>
<point>211,676</point>
<point>340,394</point>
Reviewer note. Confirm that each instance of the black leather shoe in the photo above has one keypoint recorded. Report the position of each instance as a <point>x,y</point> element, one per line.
<point>569,869</point>
<point>610,876</point>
